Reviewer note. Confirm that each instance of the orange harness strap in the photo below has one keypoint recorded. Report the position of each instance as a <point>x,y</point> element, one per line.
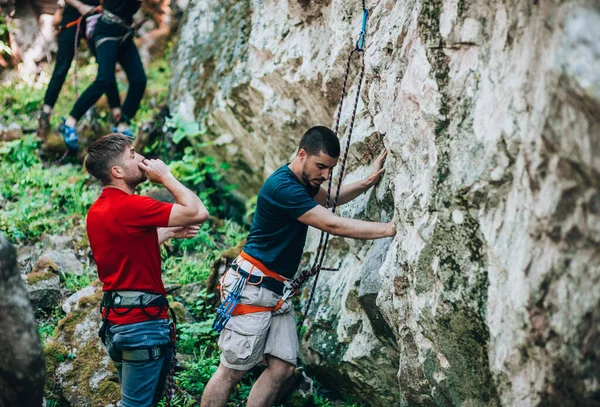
<point>243,309</point>
<point>262,267</point>
<point>97,9</point>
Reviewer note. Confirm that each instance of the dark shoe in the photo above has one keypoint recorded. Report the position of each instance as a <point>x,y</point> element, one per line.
<point>43,126</point>
<point>69,134</point>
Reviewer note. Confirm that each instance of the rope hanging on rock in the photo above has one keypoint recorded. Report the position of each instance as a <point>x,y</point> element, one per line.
<point>324,239</point>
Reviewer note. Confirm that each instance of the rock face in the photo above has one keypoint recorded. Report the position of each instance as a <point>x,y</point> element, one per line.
<point>22,368</point>
<point>490,292</point>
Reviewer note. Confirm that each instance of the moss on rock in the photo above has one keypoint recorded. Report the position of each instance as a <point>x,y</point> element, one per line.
<point>35,277</point>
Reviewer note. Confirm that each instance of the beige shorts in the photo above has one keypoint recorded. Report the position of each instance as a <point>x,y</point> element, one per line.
<point>246,339</point>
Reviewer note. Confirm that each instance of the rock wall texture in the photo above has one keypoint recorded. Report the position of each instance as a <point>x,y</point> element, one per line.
<point>490,292</point>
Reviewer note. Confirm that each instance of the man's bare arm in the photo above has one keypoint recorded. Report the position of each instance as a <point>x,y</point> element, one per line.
<point>323,219</point>
<point>164,234</point>
<point>351,191</point>
<point>177,232</point>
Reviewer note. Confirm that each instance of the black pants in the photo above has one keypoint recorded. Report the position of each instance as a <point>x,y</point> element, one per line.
<point>64,57</point>
<point>110,49</point>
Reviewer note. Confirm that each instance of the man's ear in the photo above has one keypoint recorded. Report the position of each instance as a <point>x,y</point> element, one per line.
<point>302,155</point>
<point>117,172</point>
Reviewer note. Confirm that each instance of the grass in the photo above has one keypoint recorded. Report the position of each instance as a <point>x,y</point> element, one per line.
<point>35,199</point>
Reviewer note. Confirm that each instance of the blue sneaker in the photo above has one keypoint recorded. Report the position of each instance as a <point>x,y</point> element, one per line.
<point>69,134</point>
<point>125,132</point>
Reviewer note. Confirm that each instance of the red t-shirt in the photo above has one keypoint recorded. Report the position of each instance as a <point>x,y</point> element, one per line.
<point>123,238</point>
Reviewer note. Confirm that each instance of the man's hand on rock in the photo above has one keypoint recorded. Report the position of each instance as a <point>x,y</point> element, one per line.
<point>377,169</point>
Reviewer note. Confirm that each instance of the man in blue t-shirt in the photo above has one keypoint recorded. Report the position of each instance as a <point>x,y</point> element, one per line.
<point>265,329</point>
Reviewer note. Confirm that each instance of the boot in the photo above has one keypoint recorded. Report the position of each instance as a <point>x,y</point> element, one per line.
<point>69,134</point>
<point>43,126</point>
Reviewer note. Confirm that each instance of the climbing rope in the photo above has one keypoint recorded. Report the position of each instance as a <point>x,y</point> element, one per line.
<point>171,388</point>
<point>170,383</point>
<point>324,238</point>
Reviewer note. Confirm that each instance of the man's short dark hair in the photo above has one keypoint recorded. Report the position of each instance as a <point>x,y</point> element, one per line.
<point>102,154</point>
<point>320,139</point>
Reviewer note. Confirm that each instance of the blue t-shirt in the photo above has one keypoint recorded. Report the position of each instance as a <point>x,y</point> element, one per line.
<point>277,237</point>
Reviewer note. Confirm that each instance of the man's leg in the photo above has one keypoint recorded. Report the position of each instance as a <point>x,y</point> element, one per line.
<point>64,57</point>
<point>139,381</point>
<point>220,386</point>
<point>267,386</point>
<point>130,61</point>
<point>106,56</point>
<point>281,350</point>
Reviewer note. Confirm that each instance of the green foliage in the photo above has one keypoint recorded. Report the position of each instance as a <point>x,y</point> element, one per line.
<point>46,325</point>
<point>198,372</point>
<point>185,269</point>
<point>74,283</point>
<point>4,48</point>
<point>193,335</point>
<point>182,128</point>
<point>232,233</point>
<point>35,199</point>
<point>250,209</point>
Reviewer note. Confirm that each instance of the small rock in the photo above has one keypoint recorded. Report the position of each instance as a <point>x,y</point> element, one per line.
<point>63,262</point>
<point>57,242</point>
<point>72,303</point>
<point>26,258</point>
<point>43,290</point>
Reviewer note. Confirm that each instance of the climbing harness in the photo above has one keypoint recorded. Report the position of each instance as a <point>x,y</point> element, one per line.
<point>270,280</point>
<point>128,300</point>
<point>230,305</point>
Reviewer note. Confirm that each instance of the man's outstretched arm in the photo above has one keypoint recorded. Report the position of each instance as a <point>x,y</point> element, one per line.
<point>351,191</point>
<point>323,219</point>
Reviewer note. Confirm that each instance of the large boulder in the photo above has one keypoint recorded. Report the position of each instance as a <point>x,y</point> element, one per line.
<point>22,363</point>
<point>490,112</point>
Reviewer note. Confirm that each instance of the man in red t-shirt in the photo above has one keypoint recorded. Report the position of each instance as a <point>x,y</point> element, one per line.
<point>125,231</point>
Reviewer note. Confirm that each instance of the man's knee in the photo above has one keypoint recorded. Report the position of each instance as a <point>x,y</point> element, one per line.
<point>280,368</point>
<point>230,377</point>
<point>105,81</point>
